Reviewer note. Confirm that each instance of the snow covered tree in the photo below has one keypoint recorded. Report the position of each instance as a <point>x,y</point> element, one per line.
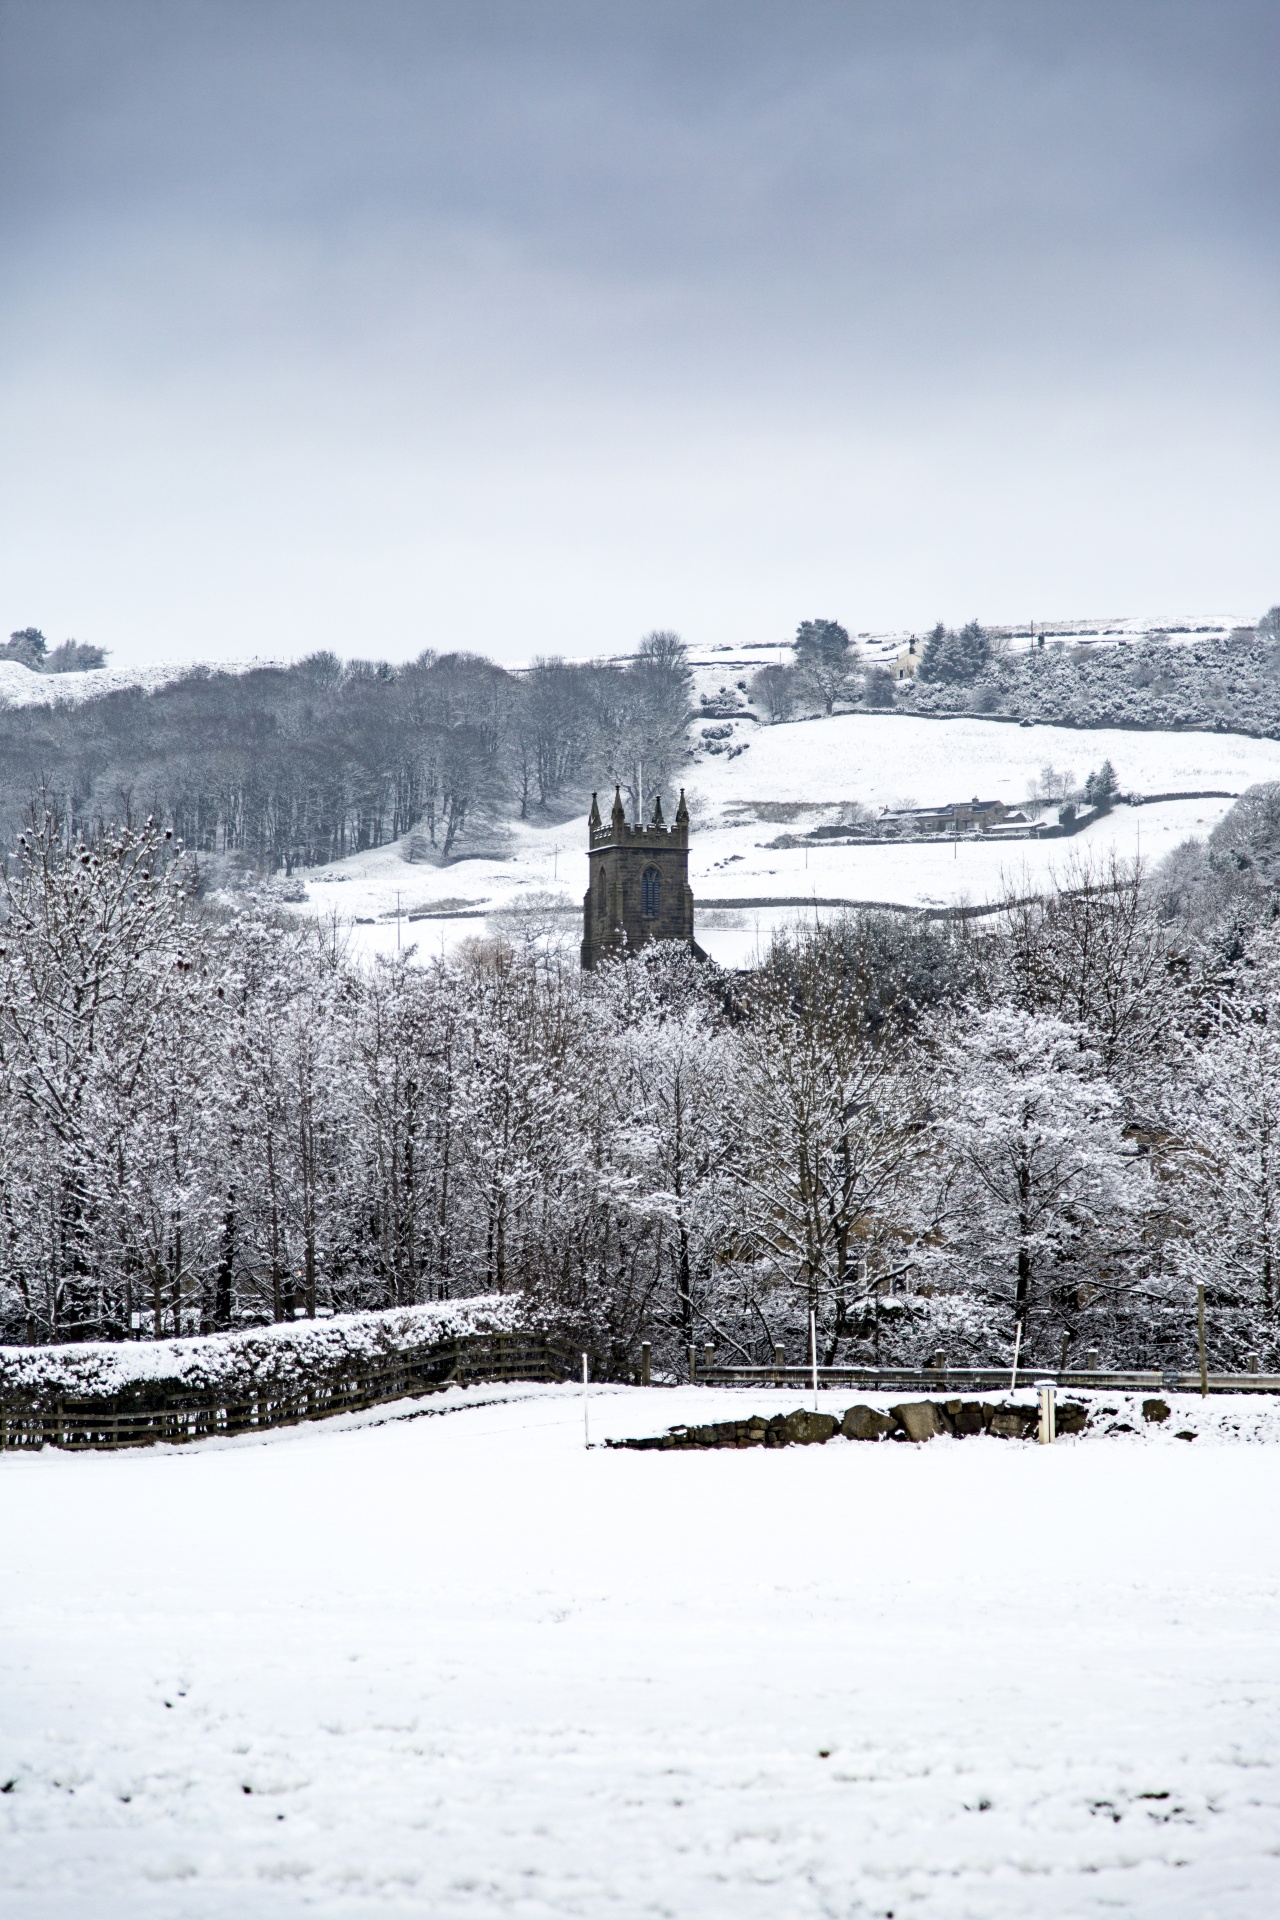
<point>671,1161</point>
<point>1224,1120</point>
<point>955,656</point>
<point>1094,953</point>
<point>93,949</point>
<point>825,660</point>
<point>28,647</point>
<point>1101,788</point>
<point>1044,1195</point>
<point>838,1099</point>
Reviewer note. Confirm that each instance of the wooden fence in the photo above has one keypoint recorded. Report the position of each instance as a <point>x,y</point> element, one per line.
<point>140,1417</point>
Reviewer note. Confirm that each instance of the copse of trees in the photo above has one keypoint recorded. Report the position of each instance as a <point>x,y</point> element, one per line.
<point>29,648</point>
<point>824,669</point>
<point>1102,787</point>
<point>291,766</point>
<point>1050,1125</point>
<point>955,655</point>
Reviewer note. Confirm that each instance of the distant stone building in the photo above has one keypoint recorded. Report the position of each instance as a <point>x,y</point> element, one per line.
<point>907,662</point>
<point>639,887</point>
<point>959,816</point>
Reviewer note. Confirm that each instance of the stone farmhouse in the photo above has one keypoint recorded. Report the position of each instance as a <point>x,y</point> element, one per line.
<point>957,816</point>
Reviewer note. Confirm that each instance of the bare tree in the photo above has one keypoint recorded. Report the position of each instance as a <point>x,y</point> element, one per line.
<point>774,689</point>
<point>839,1101</point>
<point>1094,952</point>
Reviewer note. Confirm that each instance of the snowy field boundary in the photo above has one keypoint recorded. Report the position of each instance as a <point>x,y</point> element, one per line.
<point>119,1395</point>
<point>944,1378</point>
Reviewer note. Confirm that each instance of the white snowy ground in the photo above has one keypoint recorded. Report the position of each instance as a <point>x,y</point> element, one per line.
<point>461,1667</point>
<point>19,687</point>
<point>812,765</point>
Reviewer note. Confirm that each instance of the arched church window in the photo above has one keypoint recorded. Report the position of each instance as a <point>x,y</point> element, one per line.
<point>650,887</point>
<point>601,892</point>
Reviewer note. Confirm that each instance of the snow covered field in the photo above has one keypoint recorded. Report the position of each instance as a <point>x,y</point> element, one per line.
<point>461,1667</point>
<point>808,766</point>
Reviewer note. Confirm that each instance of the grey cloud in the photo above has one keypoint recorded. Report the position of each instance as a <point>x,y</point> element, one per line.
<point>432,267</point>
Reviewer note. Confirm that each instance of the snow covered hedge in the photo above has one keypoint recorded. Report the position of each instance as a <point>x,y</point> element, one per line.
<point>277,1358</point>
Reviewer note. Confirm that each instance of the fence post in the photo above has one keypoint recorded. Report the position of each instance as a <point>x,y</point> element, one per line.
<point>813,1354</point>
<point>693,1366</point>
<point>778,1357</point>
<point>708,1357</point>
<point>646,1355</point>
<point>1048,1412</point>
<point>1204,1364</point>
<point>1017,1349</point>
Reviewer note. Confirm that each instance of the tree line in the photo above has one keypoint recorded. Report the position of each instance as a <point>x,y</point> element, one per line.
<point>282,767</point>
<point>1160,680</point>
<point>1045,1127</point>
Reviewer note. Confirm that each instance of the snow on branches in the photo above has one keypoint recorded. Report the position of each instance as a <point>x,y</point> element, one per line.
<point>1040,1184</point>
<point>1062,1118</point>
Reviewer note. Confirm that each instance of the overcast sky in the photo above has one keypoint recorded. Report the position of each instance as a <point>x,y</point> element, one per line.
<point>528,327</point>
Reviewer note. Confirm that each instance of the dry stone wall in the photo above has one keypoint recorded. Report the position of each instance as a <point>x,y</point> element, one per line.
<point>913,1421</point>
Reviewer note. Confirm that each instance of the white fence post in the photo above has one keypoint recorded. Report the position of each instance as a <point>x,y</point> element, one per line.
<point>1048,1412</point>
<point>813,1354</point>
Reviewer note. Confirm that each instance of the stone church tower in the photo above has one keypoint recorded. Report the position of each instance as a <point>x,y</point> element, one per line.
<point>639,883</point>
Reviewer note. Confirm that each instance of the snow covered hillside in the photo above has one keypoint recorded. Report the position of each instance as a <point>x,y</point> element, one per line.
<point>20,687</point>
<point>793,777</point>
<point>459,1666</point>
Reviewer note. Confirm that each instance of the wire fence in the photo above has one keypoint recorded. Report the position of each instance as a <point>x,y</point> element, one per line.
<point>945,1379</point>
